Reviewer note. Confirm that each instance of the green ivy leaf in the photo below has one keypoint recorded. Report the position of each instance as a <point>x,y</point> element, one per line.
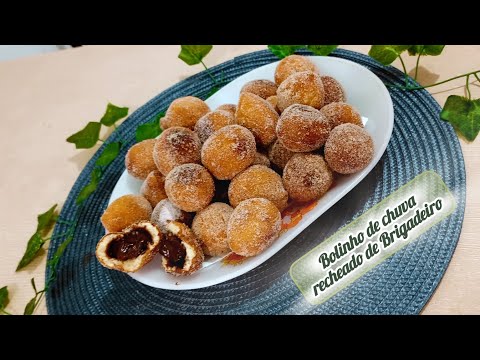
<point>53,262</point>
<point>113,114</point>
<point>90,187</point>
<point>33,247</point>
<point>283,50</point>
<point>386,54</point>
<point>322,50</point>
<point>149,130</point>
<point>433,50</point>
<point>30,308</point>
<point>110,152</point>
<point>194,54</point>
<point>87,137</point>
<point>463,114</point>
<point>46,220</point>
<point>3,298</point>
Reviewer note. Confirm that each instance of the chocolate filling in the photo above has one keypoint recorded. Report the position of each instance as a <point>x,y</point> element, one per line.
<point>173,250</point>
<point>130,245</point>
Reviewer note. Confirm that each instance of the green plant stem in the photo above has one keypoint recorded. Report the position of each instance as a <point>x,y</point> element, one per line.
<point>435,84</point>
<point>468,88</point>
<point>404,70</point>
<point>101,140</point>
<point>209,73</point>
<point>418,62</point>
<point>5,312</point>
<point>478,78</point>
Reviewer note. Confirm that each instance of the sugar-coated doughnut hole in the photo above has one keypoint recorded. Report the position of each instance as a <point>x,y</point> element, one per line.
<point>258,116</point>
<point>262,88</point>
<point>302,128</point>
<point>125,211</point>
<point>273,100</point>
<point>190,187</point>
<point>153,188</point>
<point>139,160</point>
<point>184,111</point>
<point>333,90</point>
<point>253,226</point>
<point>231,108</point>
<point>176,146</point>
<point>258,181</point>
<point>304,88</point>
<point>342,113</point>
<point>349,149</point>
<point>261,159</point>
<point>279,154</point>
<point>292,64</point>
<point>210,227</point>
<point>211,122</point>
<point>307,177</point>
<point>166,211</point>
<point>228,151</point>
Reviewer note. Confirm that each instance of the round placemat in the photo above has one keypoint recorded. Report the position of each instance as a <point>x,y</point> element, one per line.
<point>400,285</point>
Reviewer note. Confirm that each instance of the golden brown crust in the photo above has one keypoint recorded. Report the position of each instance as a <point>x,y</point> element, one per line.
<point>333,90</point>
<point>189,240</point>
<point>125,211</point>
<point>273,100</point>
<point>139,159</point>
<point>262,88</point>
<point>279,154</point>
<point>153,188</point>
<point>258,116</point>
<point>211,122</point>
<point>258,181</point>
<point>342,113</point>
<point>184,112</point>
<point>261,159</point>
<point>229,151</point>
<point>176,146</point>
<point>302,128</point>
<point>231,108</point>
<point>304,88</point>
<point>307,177</point>
<point>292,64</point>
<point>131,265</point>
<point>253,226</point>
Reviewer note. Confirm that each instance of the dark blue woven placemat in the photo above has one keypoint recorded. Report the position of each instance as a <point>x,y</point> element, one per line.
<point>400,285</point>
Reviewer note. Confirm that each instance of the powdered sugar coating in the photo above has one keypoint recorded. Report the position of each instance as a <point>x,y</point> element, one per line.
<point>211,122</point>
<point>258,116</point>
<point>210,228</point>
<point>166,211</point>
<point>293,64</point>
<point>139,160</point>
<point>190,187</point>
<point>153,188</point>
<point>231,108</point>
<point>279,154</point>
<point>304,88</point>
<point>253,226</point>
<point>333,90</point>
<point>262,88</point>
<point>125,211</point>
<point>261,159</point>
<point>229,151</point>
<point>302,128</point>
<point>342,113</point>
<point>349,149</point>
<point>273,100</point>
<point>176,146</point>
<point>307,177</point>
<point>185,112</point>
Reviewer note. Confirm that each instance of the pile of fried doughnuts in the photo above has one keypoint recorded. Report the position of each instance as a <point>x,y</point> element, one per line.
<point>216,181</point>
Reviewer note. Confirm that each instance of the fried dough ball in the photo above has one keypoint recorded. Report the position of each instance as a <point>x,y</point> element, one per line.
<point>333,90</point>
<point>279,154</point>
<point>176,146</point>
<point>231,108</point>
<point>304,88</point>
<point>229,151</point>
<point>211,122</point>
<point>131,249</point>
<point>165,212</point>
<point>302,128</point>
<point>307,177</point>
<point>153,188</point>
<point>273,100</point>
<point>341,113</point>
<point>293,64</point>
<point>190,187</point>
<point>349,149</point>
<point>261,159</point>
<point>253,226</point>
<point>258,181</point>
<point>184,111</point>
<point>125,211</point>
<point>262,88</point>
<point>139,159</point>
<point>258,116</point>
<point>180,250</point>
<point>210,227</point>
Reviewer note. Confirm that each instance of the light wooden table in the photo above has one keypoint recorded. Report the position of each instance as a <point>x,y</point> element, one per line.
<point>45,98</point>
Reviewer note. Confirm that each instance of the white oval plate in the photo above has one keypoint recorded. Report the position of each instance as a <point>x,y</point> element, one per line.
<point>363,89</point>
